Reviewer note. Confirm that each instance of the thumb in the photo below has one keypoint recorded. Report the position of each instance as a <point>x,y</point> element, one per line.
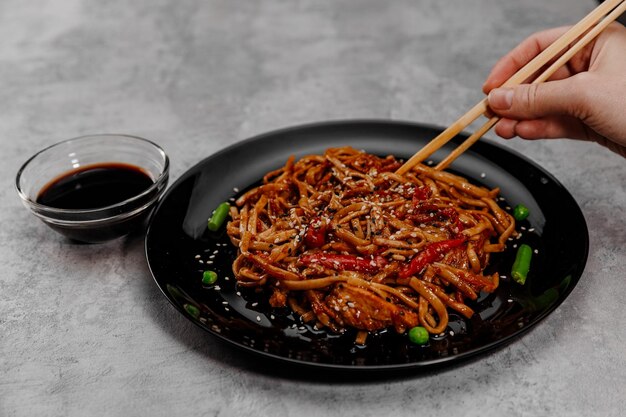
<point>534,101</point>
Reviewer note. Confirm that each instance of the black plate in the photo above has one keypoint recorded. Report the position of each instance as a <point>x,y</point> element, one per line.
<point>178,234</point>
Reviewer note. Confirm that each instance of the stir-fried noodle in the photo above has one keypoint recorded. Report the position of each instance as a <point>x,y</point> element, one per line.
<point>345,242</point>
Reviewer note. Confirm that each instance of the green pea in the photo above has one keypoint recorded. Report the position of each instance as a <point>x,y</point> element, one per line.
<point>209,277</point>
<point>418,335</point>
<point>520,212</point>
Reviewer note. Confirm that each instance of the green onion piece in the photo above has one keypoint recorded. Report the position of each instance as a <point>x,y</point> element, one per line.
<point>218,217</point>
<point>192,309</point>
<point>521,266</point>
<point>418,335</point>
<point>520,212</point>
<point>209,277</point>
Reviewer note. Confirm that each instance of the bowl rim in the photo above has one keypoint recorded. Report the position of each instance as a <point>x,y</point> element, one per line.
<point>39,208</point>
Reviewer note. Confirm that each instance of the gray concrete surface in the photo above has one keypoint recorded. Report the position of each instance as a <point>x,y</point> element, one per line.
<point>83,329</point>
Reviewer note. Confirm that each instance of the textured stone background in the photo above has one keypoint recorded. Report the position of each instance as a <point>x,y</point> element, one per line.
<point>84,330</point>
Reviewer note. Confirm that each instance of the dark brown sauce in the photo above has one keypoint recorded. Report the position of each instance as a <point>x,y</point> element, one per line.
<point>95,186</point>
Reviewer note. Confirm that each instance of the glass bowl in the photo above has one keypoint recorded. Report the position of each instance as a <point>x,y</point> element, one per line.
<point>96,222</point>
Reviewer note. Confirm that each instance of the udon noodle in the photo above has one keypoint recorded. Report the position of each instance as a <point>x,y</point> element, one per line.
<point>345,242</point>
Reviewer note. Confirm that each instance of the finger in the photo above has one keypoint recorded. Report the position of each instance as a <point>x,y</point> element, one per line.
<point>520,56</point>
<point>550,128</point>
<point>535,101</point>
<point>547,128</point>
<point>505,128</point>
<point>554,128</point>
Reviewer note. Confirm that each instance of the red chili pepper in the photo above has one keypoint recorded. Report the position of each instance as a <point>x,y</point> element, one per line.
<point>453,215</point>
<point>315,236</point>
<point>345,262</point>
<point>431,253</point>
<point>421,193</point>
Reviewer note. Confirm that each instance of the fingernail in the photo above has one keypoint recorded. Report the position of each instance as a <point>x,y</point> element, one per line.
<point>501,98</point>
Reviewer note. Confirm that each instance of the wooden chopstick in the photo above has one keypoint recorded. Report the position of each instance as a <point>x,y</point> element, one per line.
<point>586,25</point>
<point>467,143</point>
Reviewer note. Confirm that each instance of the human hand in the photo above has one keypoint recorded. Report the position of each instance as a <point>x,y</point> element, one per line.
<point>585,99</point>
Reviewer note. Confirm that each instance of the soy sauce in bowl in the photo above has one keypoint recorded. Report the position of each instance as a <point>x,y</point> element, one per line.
<point>97,185</point>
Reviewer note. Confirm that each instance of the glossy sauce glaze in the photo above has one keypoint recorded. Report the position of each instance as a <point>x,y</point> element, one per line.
<point>95,186</point>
